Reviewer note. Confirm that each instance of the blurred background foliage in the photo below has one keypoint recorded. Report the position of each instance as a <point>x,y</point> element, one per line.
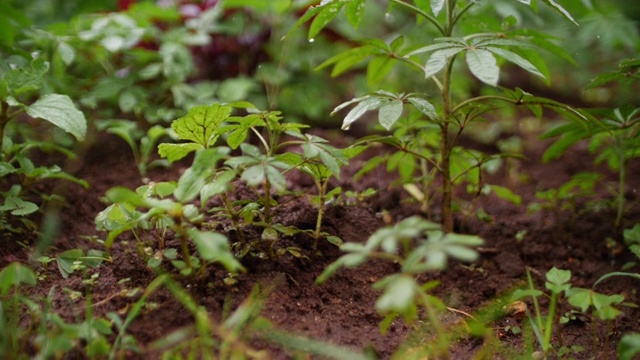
<point>149,61</point>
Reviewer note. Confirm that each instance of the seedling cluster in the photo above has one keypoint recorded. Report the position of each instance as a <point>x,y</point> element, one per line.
<point>149,85</point>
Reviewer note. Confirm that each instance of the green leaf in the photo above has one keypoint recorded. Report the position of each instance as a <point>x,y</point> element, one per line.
<point>219,185</point>
<point>516,59</point>
<point>483,65</point>
<point>506,194</point>
<point>195,177</point>
<point>201,123</point>
<point>558,280</point>
<point>23,79</point>
<point>389,113</point>
<point>15,274</point>
<point>175,152</point>
<point>378,69</point>
<point>398,296</point>
<point>629,346</point>
<point>436,6</point>
<point>66,259</point>
<point>557,7</point>
<point>365,104</point>
<point>328,12</point>
<point>61,112</point>
<point>632,236</point>
<point>439,59</point>
<point>18,207</point>
<point>424,107</point>
<point>213,246</point>
<point>354,11</point>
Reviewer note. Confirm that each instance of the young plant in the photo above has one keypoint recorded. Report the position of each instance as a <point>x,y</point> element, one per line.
<point>177,215</point>
<point>142,145</point>
<point>261,167</point>
<point>566,197</point>
<point>20,82</point>
<point>418,246</point>
<point>558,283</point>
<point>420,149</point>
<point>612,133</point>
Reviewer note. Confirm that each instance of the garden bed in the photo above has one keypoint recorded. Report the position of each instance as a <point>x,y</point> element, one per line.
<point>341,311</point>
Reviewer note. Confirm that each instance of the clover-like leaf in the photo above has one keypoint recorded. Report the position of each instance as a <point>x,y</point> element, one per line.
<point>558,280</point>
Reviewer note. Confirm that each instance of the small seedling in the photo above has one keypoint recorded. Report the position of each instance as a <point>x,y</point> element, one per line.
<point>418,246</point>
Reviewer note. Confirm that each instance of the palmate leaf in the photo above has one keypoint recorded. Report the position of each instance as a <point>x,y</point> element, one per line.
<point>332,158</point>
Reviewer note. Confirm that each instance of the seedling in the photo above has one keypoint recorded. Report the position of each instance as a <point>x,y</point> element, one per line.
<point>430,147</point>
<point>418,246</point>
<point>558,283</point>
<point>612,133</point>
<point>581,186</point>
<point>20,82</point>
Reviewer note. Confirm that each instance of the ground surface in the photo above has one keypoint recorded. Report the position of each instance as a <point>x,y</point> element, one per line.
<point>341,311</point>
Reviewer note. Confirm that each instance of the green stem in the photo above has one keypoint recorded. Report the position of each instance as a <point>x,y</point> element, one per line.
<point>322,191</point>
<point>549,325</point>
<point>424,14</point>
<point>183,242</point>
<point>457,17</point>
<point>445,151</point>
<point>483,98</point>
<point>234,217</point>
<point>443,346</point>
<point>622,177</point>
<point>4,119</point>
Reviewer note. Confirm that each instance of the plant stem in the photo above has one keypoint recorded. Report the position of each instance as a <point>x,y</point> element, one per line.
<point>424,14</point>
<point>4,119</point>
<point>445,151</point>
<point>234,217</point>
<point>622,175</point>
<point>183,243</point>
<point>322,191</point>
<point>442,351</point>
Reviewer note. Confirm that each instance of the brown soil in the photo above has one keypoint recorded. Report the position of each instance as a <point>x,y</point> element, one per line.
<point>341,311</point>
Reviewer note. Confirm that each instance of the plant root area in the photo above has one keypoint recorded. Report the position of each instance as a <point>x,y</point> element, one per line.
<point>342,310</point>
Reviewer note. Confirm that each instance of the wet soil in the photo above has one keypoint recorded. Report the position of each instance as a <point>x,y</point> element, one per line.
<point>342,310</point>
